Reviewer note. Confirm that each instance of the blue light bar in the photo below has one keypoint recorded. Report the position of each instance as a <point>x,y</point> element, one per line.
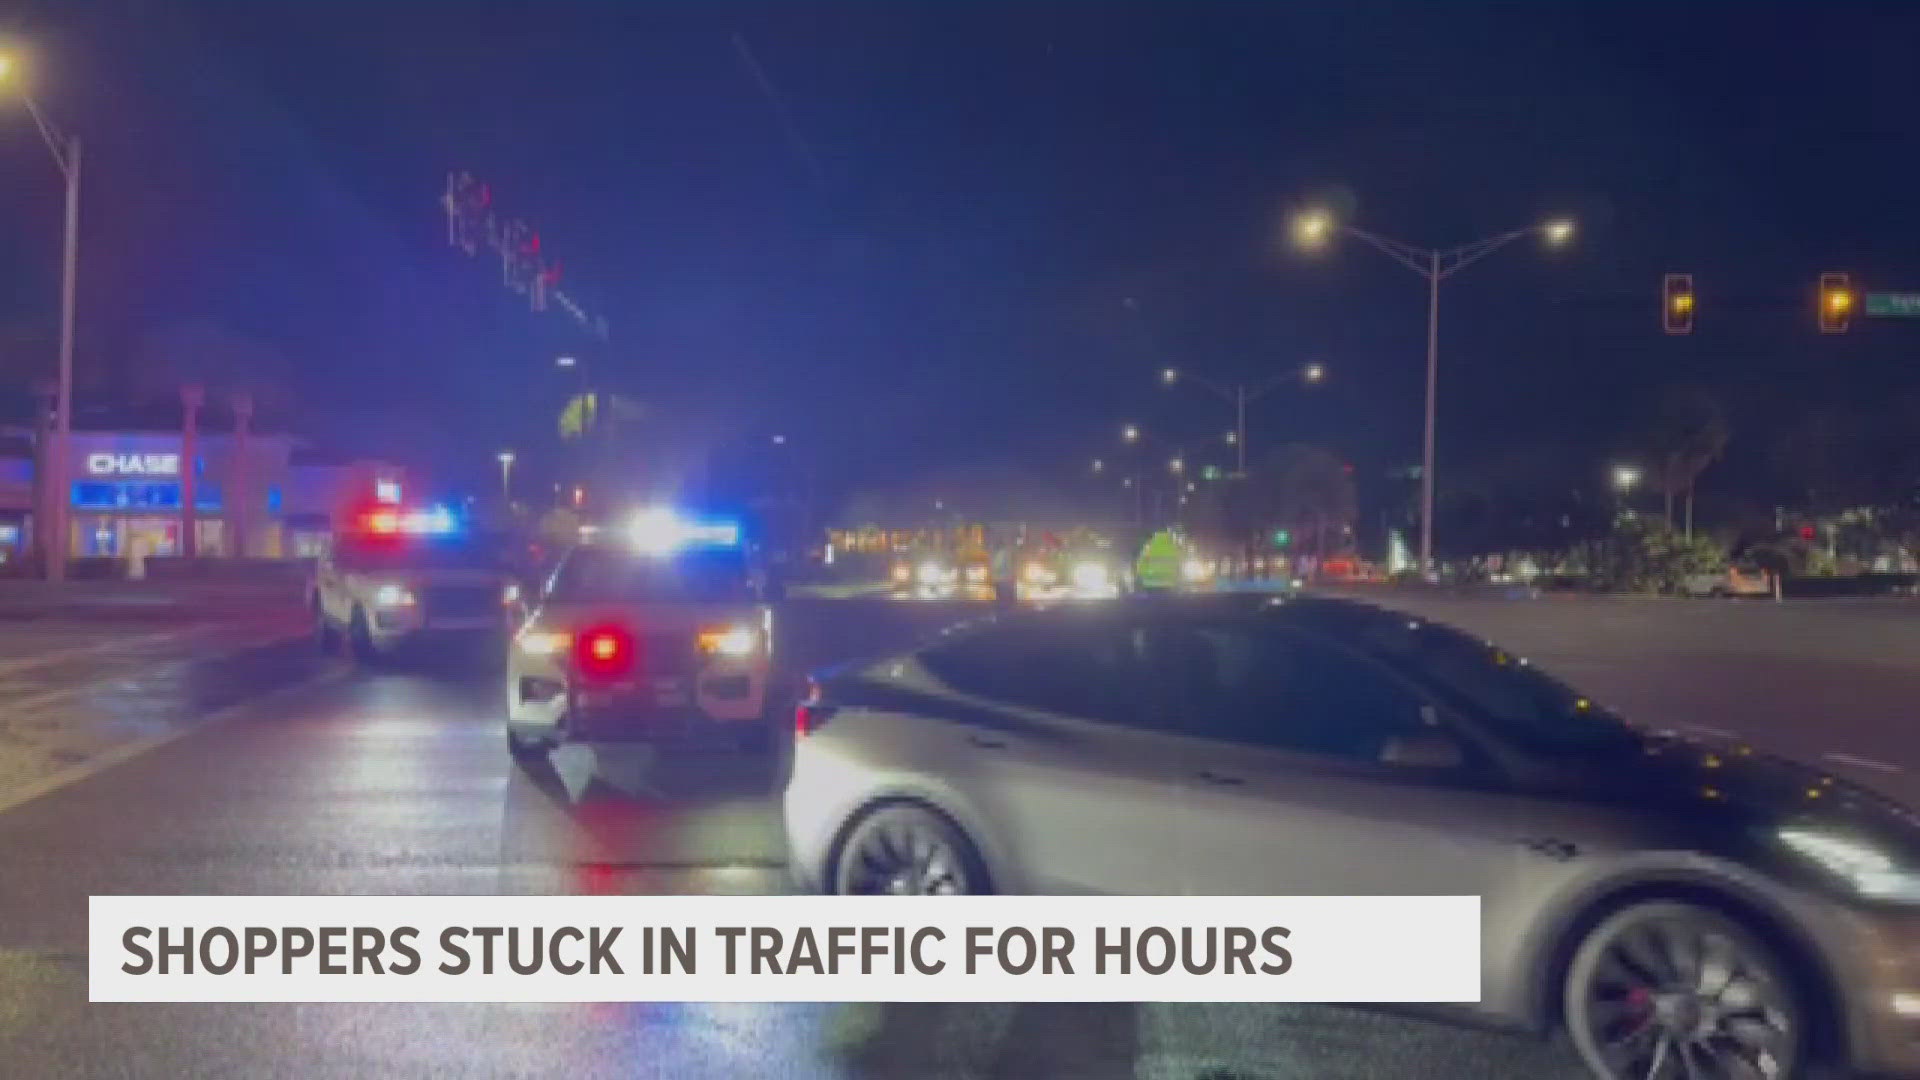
<point>662,531</point>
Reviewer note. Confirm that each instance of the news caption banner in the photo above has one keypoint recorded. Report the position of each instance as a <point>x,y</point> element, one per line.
<point>784,949</point>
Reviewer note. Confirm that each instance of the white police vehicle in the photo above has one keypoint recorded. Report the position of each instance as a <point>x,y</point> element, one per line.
<point>396,576</point>
<point>661,631</point>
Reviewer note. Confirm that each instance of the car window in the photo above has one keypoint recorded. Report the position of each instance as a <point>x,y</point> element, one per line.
<point>1088,670</point>
<point>401,557</point>
<point>1521,704</point>
<point>1270,686</point>
<point>612,574</point>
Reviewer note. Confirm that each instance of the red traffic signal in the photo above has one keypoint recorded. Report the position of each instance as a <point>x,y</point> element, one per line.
<point>1836,303</point>
<point>1676,304</point>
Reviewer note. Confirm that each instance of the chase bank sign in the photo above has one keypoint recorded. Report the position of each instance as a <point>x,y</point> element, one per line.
<point>104,464</point>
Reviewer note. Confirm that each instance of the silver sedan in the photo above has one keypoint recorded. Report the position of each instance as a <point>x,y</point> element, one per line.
<point>1679,909</point>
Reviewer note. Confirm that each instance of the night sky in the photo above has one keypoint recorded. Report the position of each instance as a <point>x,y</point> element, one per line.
<point>937,272</point>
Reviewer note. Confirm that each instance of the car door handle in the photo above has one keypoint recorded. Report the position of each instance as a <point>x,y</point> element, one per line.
<point>1212,777</point>
<point>987,742</point>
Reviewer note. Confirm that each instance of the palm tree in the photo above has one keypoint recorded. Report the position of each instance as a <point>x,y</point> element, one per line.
<point>1686,433</point>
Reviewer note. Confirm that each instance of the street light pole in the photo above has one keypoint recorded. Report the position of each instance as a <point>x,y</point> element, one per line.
<point>1433,399</point>
<point>506,458</point>
<point>1240,429</point>
<point>1240,396</point>
<point>1313,229</point>
<point>66,155</point>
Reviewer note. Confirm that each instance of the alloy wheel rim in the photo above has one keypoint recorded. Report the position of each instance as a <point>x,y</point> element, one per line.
<point>1676,999</point>
<point>900,859</point>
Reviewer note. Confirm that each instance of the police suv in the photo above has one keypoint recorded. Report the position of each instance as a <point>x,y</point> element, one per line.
<point>660,631</point>
<point>396,576</point>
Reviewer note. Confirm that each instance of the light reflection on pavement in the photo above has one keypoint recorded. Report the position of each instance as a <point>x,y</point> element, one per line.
<point>398,782</point>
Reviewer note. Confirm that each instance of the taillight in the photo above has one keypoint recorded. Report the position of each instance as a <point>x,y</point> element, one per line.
<point>806,715</point>
<point>603,652</point>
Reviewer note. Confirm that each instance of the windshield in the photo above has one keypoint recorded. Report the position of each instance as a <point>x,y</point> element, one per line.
<point>1526,706</point>
<point>396,557</point>
<point>596,573</point>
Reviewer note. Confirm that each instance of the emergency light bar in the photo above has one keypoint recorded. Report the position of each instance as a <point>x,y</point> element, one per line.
<point>433,521</point>
<point>660,531</point>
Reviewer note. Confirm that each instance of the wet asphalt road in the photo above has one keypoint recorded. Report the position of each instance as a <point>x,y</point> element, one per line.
<point>341,780</point>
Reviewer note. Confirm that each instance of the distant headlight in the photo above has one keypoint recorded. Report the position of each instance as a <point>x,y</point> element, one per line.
<point>1091,576</point>
<point>1868,869</point>
<point>736,640</point>
<point>1194,570</point>
<point>392,596</point>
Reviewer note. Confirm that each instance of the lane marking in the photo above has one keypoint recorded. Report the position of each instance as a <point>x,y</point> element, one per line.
<point>1864,763</point>
<point>126,752</point>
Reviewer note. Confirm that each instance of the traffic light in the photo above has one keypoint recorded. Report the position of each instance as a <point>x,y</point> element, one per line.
<point>1676,304</point>
<point>1836,303</point>
<point>1281,538</point>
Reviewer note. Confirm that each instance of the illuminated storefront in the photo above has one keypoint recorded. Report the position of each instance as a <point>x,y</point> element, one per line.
<point>126,492</point>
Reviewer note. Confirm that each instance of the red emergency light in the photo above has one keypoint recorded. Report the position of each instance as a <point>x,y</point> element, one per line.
<point>604,652</point>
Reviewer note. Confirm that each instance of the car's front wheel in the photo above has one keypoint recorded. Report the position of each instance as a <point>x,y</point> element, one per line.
<point>1665,990</point>
<point>907,850</point>
<point>360,639</point>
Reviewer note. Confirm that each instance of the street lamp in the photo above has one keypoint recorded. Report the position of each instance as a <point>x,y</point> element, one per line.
<point>1177,466</point>
<point>1099,465</point>
<point>1625,478</point>
<point>566,361</point>
<point>1130,433</point>
<point>505,458</point>
<point>1241,396</point>
<point>66,155</point>
<point>1314,229</point>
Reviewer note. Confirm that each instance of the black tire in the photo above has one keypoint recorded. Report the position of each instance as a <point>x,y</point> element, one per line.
<point>360,639</point>
<point>1659,979</point>
<point>902,849</point>
<point>526,749</point>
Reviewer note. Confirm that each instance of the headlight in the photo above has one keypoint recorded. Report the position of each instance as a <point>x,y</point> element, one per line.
<point>1091,576</point>
<point>736,640</point>
<point>1868,869</point>
<point>392,596</point>
<point>1194,569</point>
<point>545,642</point>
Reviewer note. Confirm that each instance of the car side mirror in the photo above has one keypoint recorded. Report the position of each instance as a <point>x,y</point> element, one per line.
<point>1426,750</point>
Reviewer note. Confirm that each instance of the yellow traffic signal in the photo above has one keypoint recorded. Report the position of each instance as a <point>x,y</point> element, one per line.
<point>1676,308</point>
<point>1836,303</point>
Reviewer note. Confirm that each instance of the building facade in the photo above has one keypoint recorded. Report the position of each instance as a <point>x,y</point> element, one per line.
<point>262,496</point>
